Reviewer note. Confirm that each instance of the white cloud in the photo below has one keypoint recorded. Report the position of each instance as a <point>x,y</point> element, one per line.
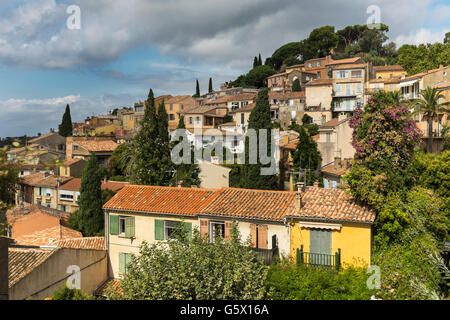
<point>421,36</point>
<point>222,32</point>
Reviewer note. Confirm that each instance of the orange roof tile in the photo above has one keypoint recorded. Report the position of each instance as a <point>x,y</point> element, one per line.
<point>394,67</point>
<point>48,236</point>
<point>97,145</point>
<point>186,201</point>
<point>344,61</point>
<point>75,184</point>
<point>332,204</point>
<point>22,261</point>
<point>90,243</point>
<point>252,204</point>
<point>110,284</point>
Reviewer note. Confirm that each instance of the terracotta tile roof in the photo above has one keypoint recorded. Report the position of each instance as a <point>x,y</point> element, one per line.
<point>343,61</point>
<point>395,67</point>
<point>252,204</point>
<point>295,95</point>
<point>97,145</point>
<point>157,199</point>
<point>75,184</point>
<point>113,185</point>
<point>443,85</point>
<point>201,109</point>
<point>91,243</point>
<point>111,284</point>
<point>38,166</point>
<point>291,145</point>
<point>43,136</point>
<point>40,180</point>
<point>332,204</point>
<point>48,236</point>
<point>22,261</point>
<point>27,148</point>
<point>277,75</point>
<point>177,99</point>
<point>330,169</point>
<point>30,211</point>
<point>72,161</point>
<point>317,82</point>
<point>351,66</point>
<point>334,123</point>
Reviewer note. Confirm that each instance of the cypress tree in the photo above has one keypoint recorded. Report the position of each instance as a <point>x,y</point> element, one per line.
<point>307,156</point>
<point>197,90</point>
<point>259,119</point>
<point>181,124</point>
<point>255,62</point>
<point>145,147</point>
<point>259,60</point>
<point>90,214</point>
<point>65,128</point>
<point>296,85</point>
<point>210,87</point>
<point>165,165</point>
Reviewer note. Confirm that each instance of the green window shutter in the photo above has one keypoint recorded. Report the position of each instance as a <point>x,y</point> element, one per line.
<point>159,229</point>
<point>113,225</point>
<point>122,262</point>
<point>129,227</point>
<point>187,227</point>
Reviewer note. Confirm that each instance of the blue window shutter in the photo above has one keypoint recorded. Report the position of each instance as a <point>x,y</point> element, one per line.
<point>326,184</point>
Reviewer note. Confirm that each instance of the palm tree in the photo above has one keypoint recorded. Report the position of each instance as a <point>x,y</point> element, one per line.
<point>432,108</point>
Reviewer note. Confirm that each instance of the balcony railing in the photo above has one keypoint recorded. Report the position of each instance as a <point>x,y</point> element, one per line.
<point>332,261</point>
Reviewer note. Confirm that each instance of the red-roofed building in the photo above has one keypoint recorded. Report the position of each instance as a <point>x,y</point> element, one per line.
<point>151,213</point>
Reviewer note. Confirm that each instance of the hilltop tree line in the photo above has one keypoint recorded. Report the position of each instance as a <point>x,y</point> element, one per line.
<point>358,40</point>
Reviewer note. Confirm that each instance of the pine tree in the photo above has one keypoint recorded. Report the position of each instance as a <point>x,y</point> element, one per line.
<point>210,87</point>
<point>90,214</point>
<point>296,85</point>
<point>65,128</point>
<point>197,90</point>
<point>259,119</point>
<point>145,147</point>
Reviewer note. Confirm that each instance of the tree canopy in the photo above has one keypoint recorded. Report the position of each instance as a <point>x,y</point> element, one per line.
<point>65,128</point>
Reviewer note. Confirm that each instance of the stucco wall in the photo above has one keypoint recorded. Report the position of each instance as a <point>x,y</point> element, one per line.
<point>145,230</point>
<point>353,239</point>
<point>52,274</point>
<point>213,176</point>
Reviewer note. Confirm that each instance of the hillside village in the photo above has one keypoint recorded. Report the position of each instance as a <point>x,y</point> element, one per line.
<point>307,214</point>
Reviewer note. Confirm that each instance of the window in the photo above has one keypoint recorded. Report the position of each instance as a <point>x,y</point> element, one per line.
<point>121,225</point>
<point>342,74</point>
<point>217,229</point>
<point>124,261</point>
<point>164,229</point>
<point>197,120</point>
<point>242,118</point>
<point>319,64</point>
<point>234,105</point>
<point>190,120</point>
<point>171,107</point>
<point>171,116</point>
<point>258,235</point>
<point>75,148</point>
<point>235,142</point>
<point>66,196</point>
<point>310,65</point>
<point>328,137</point>
<point>357,74</point>
<point>182,106</point>
<point>318,75</point>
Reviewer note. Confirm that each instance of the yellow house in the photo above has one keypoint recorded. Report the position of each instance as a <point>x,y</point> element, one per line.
<point>389,72</point>
<point>128,120</point>
<point>328,228</point>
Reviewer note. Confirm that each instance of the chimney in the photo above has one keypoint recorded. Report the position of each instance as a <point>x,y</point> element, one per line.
<point>316,184</point>
<point>299,196</point>
<point>105,180</point>
<point>337,163</point>
<point>180,183</point>
<point>347,163</point>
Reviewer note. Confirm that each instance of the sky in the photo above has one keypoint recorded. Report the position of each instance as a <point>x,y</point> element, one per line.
<point>124,47</point>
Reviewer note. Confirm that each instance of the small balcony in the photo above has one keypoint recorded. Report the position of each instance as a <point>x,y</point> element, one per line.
<point>331,261</point>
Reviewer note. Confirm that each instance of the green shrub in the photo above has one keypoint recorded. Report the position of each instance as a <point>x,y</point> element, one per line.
<point>286,281</point>
<point>70,294</point>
